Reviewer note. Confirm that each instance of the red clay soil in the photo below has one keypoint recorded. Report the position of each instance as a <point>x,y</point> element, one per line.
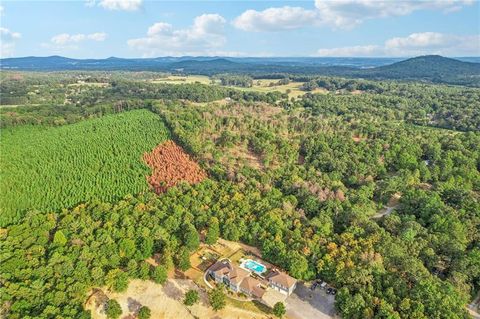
<point>170,165</point>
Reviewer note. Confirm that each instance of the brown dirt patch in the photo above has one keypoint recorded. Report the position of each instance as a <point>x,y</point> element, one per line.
<point>166,302</point>
<point>171,165</point>
<point>358,138</point>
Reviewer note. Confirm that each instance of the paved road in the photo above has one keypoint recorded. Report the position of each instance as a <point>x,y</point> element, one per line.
<point>307,304</point>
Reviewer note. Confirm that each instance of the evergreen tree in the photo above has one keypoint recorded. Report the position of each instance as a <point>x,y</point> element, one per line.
<point>113,309</point>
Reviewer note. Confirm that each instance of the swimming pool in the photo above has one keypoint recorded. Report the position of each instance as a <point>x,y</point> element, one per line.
<point>254,266</point>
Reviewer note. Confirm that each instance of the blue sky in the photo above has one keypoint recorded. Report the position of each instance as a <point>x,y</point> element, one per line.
<point>138,28</point>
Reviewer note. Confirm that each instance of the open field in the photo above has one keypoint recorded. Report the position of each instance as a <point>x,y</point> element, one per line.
<point>270,85</point>
<point>166,302</point>
<point>175,79</point>
<point>265,85</point>
<point>94,84</point>
<point>259,85</point>
<point>49,168</point>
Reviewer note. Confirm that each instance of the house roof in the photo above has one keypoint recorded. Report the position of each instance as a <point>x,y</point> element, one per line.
<point>233,273</point>
<point>253,286</point>
<point>282,279</point>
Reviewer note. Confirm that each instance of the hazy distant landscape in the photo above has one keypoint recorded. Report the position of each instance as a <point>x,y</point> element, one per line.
<point>432,68</point>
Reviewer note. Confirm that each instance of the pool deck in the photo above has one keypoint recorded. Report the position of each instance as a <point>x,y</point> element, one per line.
<point>243,265</point>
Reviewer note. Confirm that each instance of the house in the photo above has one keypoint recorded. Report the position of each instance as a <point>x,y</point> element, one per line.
<point>225,272</point>
<point>281,282</point>
<point>252,287</point>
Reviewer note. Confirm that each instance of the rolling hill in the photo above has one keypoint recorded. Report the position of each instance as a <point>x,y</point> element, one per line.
<point>431,68</point>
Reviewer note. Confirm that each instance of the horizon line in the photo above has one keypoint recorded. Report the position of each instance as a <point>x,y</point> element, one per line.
<point>241,57</point>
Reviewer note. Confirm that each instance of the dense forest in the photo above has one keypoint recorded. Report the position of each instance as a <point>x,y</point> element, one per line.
<point>78,162</point>
<point>303,179</point>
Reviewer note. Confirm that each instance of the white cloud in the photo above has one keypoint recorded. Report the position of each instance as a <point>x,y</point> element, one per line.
<point>205,36</point>
<point>66,42</point>
<point>97,36</point>
<point>160,28</point>
<point>359,50</point>
<point>7,42</point>
<point>123,5</point>
<point>6,34</point>
<point>65,38</point>
<point>420,40</point>
<point>434,43</point>
<point>275,19</point>
<point>412,45</point>
<point>349,13</point>
<point>344,14</point>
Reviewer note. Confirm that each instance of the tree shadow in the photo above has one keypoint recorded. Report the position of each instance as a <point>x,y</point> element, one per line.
<point>133,305</point>
<point>172,291</point>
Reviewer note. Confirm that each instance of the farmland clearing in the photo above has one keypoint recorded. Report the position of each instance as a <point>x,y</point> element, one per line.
<point>188,79</point>
<point>259,85</point>
<point>269,85</point>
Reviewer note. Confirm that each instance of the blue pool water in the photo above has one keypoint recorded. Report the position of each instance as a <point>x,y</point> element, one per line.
<point>254,266</point>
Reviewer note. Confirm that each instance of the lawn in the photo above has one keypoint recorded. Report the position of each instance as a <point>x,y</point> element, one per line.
<point>50,168</point>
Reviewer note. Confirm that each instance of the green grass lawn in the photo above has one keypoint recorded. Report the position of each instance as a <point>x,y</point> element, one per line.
<point>49,168</point>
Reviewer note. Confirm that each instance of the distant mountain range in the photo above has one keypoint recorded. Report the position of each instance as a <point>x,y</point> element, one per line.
<point>432,68</point>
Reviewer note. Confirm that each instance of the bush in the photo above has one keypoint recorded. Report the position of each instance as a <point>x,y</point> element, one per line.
<point>113,310</point>
<point>144,313</point>
<point>159,274</point>
<point>191,297</point>
<point>217,298</point>
<point>279,309</point>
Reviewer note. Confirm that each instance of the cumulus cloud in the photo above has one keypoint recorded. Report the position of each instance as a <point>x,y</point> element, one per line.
<point>413,44</point>
<point>275,19</point>
<point>123,5</point>
<point>66,42</point>
<point>434,43</point>
<point>349,13</point>
<point>204,37</point>
<point>8,40</point>
<point>6,34</point>
<point>65,38</point>
<point>344,14</point>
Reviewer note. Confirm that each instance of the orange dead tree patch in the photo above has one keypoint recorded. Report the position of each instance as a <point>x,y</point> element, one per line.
<point>170,165</point>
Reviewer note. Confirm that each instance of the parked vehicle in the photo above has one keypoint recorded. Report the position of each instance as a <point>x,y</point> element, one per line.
<point>323,285</point>
<point>331,291</point>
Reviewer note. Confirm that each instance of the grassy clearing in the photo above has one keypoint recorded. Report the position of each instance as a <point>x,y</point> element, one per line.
<point>49,168</point>
<point>175,79</point>
<point>270,85</point>
<point>259,85</point>
<point>94,84</point>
